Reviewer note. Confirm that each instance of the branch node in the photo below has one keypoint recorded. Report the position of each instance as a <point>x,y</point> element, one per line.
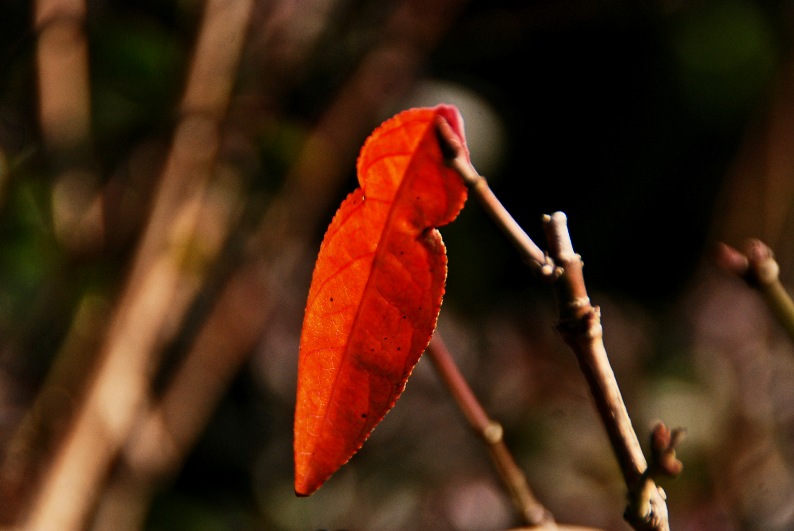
<point>647,508</point>
<point>493,432</point>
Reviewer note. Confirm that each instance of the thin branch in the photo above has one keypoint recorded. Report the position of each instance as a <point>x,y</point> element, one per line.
<point>758,267</point>
<point>531,510</point>
<point>458,159</point>
<point>580,326</point>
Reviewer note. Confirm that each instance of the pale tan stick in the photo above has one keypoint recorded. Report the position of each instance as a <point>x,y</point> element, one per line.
<point>62,69</point>
<point>580,326</point>
<point>532,512</point>
<point>155,288</point>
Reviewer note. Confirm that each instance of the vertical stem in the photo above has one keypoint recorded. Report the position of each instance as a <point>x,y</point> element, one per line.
<point>157,289</point>
<point>62,57</point>
<point>580,326</point>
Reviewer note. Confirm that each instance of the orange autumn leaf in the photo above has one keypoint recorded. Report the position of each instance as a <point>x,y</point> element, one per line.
<point>376,291</point>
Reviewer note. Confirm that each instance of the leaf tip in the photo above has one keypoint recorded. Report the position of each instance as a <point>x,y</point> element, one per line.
<point>303,487</point>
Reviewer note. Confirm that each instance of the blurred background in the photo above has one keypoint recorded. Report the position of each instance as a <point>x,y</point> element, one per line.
<point>168,169</point>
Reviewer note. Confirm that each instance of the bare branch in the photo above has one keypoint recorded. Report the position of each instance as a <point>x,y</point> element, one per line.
<point>531,510</point>
<point>62,57</point>
<point>458,159</point>
<point>580,326</point>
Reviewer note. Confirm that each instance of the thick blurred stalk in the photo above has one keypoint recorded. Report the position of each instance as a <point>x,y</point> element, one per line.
<point>62,57</point>
<point>62,69</point>
<point>164,274</point>
<point>65,121</point>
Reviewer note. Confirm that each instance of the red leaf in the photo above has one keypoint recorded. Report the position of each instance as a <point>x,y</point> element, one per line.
<point>376,291</point>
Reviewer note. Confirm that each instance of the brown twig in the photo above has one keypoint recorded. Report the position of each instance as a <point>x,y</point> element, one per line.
<point>531,510</point>
<point>458,159</point>
<point>580,326</point>
<point>758,267</point>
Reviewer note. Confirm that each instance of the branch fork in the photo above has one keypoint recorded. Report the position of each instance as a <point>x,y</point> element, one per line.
<point>580,326</point>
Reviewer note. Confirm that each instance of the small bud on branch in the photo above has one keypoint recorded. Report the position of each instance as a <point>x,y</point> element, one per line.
<point>757,266</point>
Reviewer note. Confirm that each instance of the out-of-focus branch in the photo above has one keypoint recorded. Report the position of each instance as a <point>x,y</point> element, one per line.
<point>158,288</point>
<point>532,512</point>
<point>757,200</point>
<point>62,56</point>
<point>758,267</point>
<point>65,121</point>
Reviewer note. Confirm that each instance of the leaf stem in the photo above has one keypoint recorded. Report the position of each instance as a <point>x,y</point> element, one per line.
<point>458,159</point>
<point>531,510</point>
